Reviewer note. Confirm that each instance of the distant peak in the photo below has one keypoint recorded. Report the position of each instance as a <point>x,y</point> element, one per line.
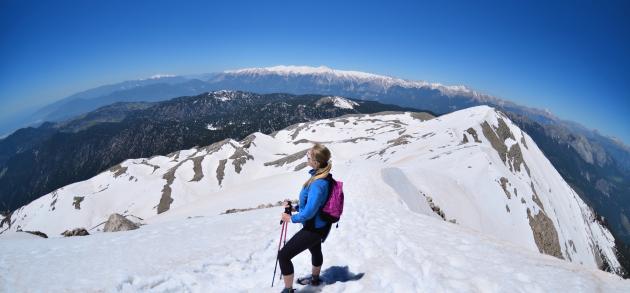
<point>304,70</point>
<point>158,76</point>
<point>357,76</point>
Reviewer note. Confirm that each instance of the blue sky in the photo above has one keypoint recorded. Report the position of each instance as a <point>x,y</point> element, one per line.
<point>570,57</point>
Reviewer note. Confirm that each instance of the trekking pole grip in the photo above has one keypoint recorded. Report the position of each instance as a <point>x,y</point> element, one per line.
<point>287,210</point>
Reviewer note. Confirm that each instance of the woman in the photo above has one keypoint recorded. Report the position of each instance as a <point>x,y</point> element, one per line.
<point>314,231</point>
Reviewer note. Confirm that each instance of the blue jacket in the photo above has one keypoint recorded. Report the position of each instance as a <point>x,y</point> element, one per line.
<point>315,196</point>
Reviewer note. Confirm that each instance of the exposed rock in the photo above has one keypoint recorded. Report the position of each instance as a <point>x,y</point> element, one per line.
<point>301,166</point>
<point>166,199</point>
<point>38,233</point>
<point>239,157</point>
<point>260,206</point>
<point>515,158</point>
<point>503,130</point>
<point>428,134</point>
<point>354,140</point>
<point>297,130</point>
<point>353,116</point>
<point>248,141</point>
<point>504,182</point>
<point>436,209</point>
<point>75,232</point>
<point>535,197</point>
<point>155,167</point>
<point>215,147</point>
<point>118,170</point>
<point>302,140</point>
<point>423,116</point>
<point>197,168</point>
<point>6,219</point>
<point>473,132</point>
<point>523,140</point>
<point>288,159</point>
<point>54,201</point>
<point>77,202</point>
<point>175,156</point>
<point>343,120</point>
<point>497,143</point>
<point>545,234</point>
<point>507,208</point>
<point>522,200</point>
<point>464,140</point>
<point>116,223</point>
<point>403,139</point>
<point>221,170</point>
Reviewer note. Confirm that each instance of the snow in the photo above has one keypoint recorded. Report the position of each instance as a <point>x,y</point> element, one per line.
<point>327,73</point>
<point>343,103</point>
<point>392,248</point>
<point>158,76</point>
<point>389,239</point>
<point>226,95</point>
<point>212,127</point>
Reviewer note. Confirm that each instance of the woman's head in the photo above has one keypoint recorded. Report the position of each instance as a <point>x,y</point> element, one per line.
<point>318,158</point>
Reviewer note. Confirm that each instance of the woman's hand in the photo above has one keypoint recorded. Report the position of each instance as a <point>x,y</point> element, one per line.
<point>285,204</point>
<point>286,218</point>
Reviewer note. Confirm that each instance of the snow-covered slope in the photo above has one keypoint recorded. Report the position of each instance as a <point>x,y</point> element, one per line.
<point>402,174</point>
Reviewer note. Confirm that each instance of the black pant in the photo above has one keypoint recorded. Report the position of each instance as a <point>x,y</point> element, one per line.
<point>299,242</point>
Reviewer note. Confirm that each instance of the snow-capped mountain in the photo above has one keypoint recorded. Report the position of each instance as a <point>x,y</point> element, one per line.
<point>597,166</point>
<point>472,167</point>
<point>327,75</point>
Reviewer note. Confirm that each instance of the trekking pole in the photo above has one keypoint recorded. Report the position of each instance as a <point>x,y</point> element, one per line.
<point>283,231</point>
<point>286,227</point>
<point>287,210</point>
<point>278,256</point>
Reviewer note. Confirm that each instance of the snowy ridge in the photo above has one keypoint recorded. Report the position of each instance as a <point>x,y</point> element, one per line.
<point>404,176</point>
<point>158,76</point>
<point>328,74</point>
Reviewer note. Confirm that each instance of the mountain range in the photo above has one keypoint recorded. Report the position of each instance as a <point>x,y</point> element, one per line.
<point>597,167</point>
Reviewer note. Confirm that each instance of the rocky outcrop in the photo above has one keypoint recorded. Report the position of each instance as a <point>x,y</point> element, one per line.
<point>287,159</point>
<point>166,199</point>
<point>260,206</point>
<point>75,232</point>
<point>77,202</point>
<point>221,170</point>
<point>239,158</point>
<point>545,234</point>
<point>197,168</point>
<point>117,222</point>
<point>37,233</point>
<point>495,141</point>
<point>504,182</point>
<point>473,132</point>
<point>118,170</point>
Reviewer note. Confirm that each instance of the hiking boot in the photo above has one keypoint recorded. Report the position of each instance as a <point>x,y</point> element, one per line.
<point>288,290</point>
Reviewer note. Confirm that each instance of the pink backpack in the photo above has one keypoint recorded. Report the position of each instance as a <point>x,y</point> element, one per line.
<point>331,212</point>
